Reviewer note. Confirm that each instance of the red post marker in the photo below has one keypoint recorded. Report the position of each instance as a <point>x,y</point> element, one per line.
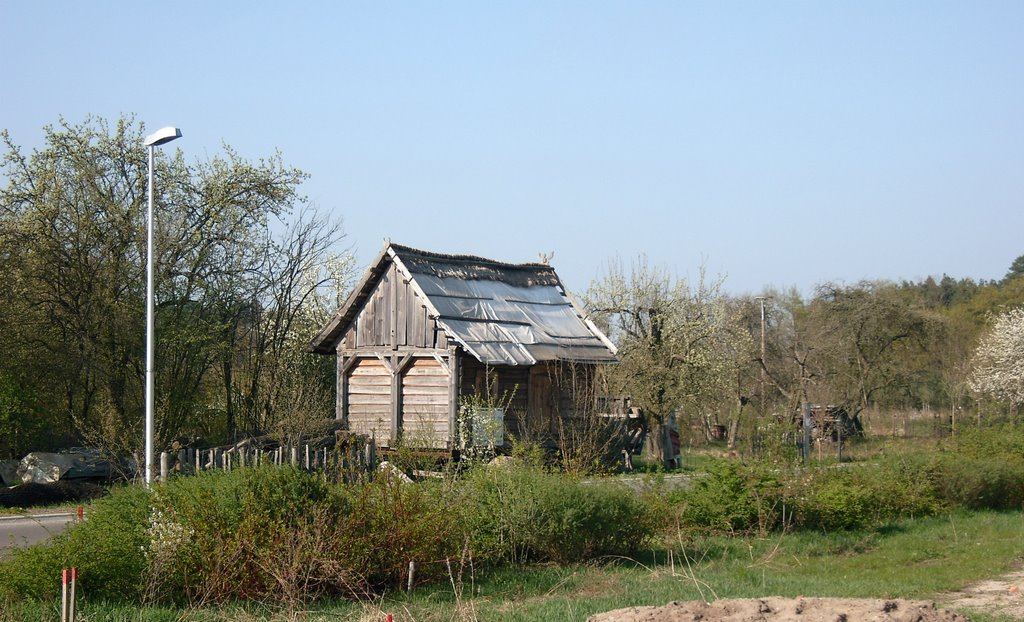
<point>388,618</point>
<point>81,512</point>
<point>64,595</point>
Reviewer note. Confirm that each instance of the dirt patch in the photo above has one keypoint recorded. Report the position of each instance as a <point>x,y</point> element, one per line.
<point>777,609</point>
<point>1003,596</point>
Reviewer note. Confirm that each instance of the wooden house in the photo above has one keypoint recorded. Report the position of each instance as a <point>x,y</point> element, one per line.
<point>422,332</point>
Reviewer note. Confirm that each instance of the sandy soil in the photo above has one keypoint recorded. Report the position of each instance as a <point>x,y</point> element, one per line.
<point>786,610</point>
<point>1003,596</point>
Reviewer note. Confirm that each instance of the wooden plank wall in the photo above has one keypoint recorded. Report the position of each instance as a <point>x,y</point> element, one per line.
<point>394,316</point>
<point>424,403</point>
<point>368,394</point>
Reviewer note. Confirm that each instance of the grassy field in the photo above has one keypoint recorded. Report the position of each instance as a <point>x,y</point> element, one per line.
<point>918,559</point>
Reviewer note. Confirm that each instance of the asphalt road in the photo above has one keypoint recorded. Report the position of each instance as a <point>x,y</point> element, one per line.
<point>18,531</point>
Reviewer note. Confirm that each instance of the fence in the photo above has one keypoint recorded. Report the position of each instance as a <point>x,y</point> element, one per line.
<point>346,457</point>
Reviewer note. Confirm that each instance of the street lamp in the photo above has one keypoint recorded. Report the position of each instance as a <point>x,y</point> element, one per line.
<point>158,137</point>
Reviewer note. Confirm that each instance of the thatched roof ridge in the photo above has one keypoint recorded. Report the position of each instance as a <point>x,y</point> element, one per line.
<point>471,267</point>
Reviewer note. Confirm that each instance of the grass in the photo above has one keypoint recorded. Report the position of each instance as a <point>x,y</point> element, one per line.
<point>916,559</point>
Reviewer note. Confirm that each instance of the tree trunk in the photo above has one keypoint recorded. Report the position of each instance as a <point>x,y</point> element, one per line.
<point>228,401</point>
<point>734,424</point>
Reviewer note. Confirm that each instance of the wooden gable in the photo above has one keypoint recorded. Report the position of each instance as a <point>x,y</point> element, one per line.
<point>394,315</point>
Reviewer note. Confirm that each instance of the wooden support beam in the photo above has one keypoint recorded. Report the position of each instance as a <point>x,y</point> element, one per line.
<point>453,394</point>
<point>396,400</point>
<point>441,360</point>
<point>388,364</point>
<point>341,408</point>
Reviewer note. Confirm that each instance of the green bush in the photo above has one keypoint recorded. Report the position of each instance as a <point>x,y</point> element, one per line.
<point>1006,439</point>
<point>733,497</point>
<point>108,550</point>
<point>222,536</point>
<point>521,514</point>
<point>995,482</point>
<point>833,503</point>
<point>859,496</point>
<point>392,523</point>
<point>899,488</point>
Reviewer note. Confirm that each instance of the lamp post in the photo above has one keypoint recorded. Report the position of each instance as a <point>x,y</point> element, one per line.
<point>155,139</point>
<point>763,362</point>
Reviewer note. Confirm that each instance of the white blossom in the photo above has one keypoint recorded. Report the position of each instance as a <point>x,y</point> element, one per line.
<point>998,363</point>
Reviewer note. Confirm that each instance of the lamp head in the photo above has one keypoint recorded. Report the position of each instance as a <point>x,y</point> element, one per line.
<point>162,136</point>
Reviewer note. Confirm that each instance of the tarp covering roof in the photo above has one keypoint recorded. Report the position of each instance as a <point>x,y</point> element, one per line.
<point>502,314</point>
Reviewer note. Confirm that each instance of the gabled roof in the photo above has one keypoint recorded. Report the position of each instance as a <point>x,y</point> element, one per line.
<point>500,313</point>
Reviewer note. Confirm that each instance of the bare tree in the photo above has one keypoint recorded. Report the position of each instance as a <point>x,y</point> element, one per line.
<point>681,347</point>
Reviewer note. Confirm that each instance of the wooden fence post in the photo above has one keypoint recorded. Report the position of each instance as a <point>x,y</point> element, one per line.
<point>165,465</point>
<point>371,454</point>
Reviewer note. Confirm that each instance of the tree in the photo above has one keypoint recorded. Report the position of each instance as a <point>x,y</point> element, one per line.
<point>72,243</point>
<point>998,362</point>
<point>1016,269</point>
<point>865,335</point>
<point>680,347</point>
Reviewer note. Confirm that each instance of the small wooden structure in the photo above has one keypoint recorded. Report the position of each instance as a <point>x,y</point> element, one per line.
<point>423,331</point>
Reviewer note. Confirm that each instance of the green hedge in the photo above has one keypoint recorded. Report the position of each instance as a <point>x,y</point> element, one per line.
<point>282,535</point>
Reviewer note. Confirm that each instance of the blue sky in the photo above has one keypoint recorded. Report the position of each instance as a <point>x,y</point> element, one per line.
<point>776,143</point>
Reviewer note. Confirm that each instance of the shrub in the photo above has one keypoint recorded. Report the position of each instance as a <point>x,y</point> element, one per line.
<point>107,549</point>
<point>218,536</point>
<point>390,524</point>
<point>521,514</point>
<point>733,497</point>
<point>981,468</point>
<point>995,482</point>
<point>834,502</point>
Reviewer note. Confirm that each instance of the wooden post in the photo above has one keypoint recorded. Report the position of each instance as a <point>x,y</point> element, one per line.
<point>165,466</point>
<point>307,455</point>
<point>295,456</point>
<point>453,395</point>
<point>341,404</point>
<point>807,431</point>
<point>412,576</point>
<point>396,403</point>
<point>369,455</point>
<point>74,581</point>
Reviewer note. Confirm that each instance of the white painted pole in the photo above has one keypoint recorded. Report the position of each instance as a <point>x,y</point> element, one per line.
<point>71,604</point>
<point>159,137</point>
<point>149,325</point>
